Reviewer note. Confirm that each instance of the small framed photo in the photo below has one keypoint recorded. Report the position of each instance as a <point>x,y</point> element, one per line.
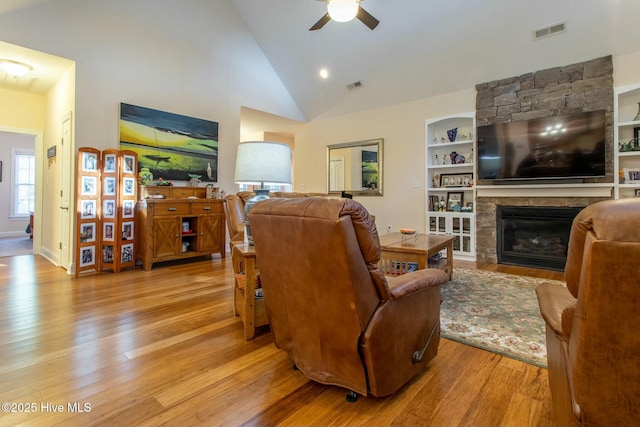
<point>107,254</point>
<point>88,209</point>
<point>89,162</point>
<point>109,186</point>
<point>89,186</point>
<point>88,232</point>
<point>129,164</point>
<point>107,231</point>
<point>631,175</point>
<point>637,192</point>
<point>454,201</point>
<point>127,253</point>
<point>128,186</point>
<point>636,133</point>
<point>87,256</point>
<point>456,179</point>
<point>110,163</point>
<point>127,209</point>
<point>127,230</point>
<point>109,209</point>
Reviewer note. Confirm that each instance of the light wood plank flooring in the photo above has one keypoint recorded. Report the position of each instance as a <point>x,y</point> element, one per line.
<point>162,347</point>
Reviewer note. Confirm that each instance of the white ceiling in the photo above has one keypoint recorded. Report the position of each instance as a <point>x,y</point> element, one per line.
<point>420,49</point>
<point>427,47</point>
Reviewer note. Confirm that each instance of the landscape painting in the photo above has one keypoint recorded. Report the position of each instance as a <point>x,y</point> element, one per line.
<point>172,146</point>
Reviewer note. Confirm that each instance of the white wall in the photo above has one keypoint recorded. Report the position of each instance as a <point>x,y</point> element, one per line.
<point>191,57</point>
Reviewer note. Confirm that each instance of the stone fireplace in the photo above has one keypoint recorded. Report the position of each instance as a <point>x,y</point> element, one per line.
<point>487,219</point>
<point>585,86</point>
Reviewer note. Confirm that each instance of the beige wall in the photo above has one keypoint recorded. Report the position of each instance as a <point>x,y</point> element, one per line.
<point>403,129</point>
<point>19,113</point>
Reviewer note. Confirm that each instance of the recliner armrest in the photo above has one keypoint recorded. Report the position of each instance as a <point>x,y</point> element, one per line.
<point>409,283</point>
<point>554,300</point>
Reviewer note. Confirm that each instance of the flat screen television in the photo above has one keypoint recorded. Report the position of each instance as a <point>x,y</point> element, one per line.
<point>559,147</point>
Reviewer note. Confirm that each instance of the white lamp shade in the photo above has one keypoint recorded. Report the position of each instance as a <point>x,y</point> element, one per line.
<point>260,162</point>
<point>342,10</point>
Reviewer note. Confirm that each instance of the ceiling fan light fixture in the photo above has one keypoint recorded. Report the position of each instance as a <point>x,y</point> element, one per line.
<point>14,68</point>
<point>342,10</point>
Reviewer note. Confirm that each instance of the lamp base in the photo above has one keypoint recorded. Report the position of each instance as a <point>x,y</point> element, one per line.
<point>260,194</point>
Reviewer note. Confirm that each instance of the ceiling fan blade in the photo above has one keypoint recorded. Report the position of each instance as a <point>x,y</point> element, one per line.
<point>367,18</point>
<point>321,22</point>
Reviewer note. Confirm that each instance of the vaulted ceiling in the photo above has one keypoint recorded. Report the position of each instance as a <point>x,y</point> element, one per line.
<point>423,48</point>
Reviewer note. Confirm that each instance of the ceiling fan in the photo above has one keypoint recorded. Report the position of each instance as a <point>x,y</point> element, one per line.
<point>344,11</point>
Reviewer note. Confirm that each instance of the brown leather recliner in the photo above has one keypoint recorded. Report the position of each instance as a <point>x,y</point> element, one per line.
<point>234,212</point>
<point>337,316</point>
<point>593,337</point>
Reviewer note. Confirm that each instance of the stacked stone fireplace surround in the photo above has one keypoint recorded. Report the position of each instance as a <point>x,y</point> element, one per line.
<point>581,87</point>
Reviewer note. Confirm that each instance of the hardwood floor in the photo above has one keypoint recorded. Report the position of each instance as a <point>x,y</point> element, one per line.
<point>162,347</point>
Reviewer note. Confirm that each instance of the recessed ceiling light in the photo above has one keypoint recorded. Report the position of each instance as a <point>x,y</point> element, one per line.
<point>324,73</point>
<point>14,68</point>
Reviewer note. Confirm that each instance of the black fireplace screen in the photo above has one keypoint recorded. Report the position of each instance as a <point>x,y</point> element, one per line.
<point>534,236</point>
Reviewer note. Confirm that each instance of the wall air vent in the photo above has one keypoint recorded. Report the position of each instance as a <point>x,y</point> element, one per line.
<point>354,85</point>
<point>549,31</point>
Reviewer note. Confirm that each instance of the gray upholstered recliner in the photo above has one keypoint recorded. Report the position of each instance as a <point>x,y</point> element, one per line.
<point>330,307</point>
<point>593,337</point>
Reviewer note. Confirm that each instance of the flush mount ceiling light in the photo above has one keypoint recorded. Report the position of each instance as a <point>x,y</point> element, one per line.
<point>15,68</point>
<point>342,10</point>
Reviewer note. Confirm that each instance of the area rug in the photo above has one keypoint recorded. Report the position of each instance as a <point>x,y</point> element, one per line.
<point>495,312</point>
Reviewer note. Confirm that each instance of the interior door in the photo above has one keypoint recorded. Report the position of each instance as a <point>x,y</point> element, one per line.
<point>65,193</point>
<point>336,173</point>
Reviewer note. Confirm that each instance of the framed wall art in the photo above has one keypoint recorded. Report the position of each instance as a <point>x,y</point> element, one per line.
<point>171,145</point>
<point>454,201</point>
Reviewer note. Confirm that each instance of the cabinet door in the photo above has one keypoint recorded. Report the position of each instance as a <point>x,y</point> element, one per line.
<point>210,229</point>
<point>166,236</point>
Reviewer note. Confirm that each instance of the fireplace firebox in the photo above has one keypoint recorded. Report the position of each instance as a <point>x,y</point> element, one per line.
<point>534,236</point>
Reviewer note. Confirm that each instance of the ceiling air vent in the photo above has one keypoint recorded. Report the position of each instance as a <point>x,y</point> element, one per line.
<point>551,30</point>
<point>354,85</point>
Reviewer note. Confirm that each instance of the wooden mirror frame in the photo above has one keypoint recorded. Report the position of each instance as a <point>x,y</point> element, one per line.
<point>351,151</point>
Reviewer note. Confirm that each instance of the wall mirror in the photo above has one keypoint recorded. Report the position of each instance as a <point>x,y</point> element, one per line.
<point>355,167</point>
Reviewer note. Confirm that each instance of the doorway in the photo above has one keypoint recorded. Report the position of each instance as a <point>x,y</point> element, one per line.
<point>17,189</point>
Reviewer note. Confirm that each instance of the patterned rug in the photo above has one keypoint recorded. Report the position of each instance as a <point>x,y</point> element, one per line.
<point>495,312</point>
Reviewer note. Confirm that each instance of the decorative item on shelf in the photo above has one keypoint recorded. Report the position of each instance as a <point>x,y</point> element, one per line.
<point>451,134</point>
<point>212,192</point>
<point>194,179</point>
<point>261,162</point>
<point>456,159</point>
<point>637,117</point>
<point>161,182</point>
<point>442,205</point>
<point>145,177</point>
<point>468,207</point>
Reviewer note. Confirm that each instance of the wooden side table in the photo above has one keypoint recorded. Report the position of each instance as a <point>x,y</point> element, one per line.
<point>396,251</point>
<point>250,309</point>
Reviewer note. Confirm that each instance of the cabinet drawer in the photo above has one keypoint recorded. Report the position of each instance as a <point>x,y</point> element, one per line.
<point>184,192</point>
<point>171,208</point>
<point>146,191</point>
<point>205,207</point>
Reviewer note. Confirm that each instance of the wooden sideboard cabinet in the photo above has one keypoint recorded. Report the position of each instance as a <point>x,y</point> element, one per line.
<point>172,229</point>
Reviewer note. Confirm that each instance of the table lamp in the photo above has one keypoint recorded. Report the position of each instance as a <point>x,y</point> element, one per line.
<point>260,162</point>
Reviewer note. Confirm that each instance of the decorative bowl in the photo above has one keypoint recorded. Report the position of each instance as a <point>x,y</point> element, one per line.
<point>407,231</point>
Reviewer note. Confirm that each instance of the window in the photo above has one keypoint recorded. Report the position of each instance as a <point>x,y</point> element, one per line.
<point>24,179</point>
<point>285,188</point>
